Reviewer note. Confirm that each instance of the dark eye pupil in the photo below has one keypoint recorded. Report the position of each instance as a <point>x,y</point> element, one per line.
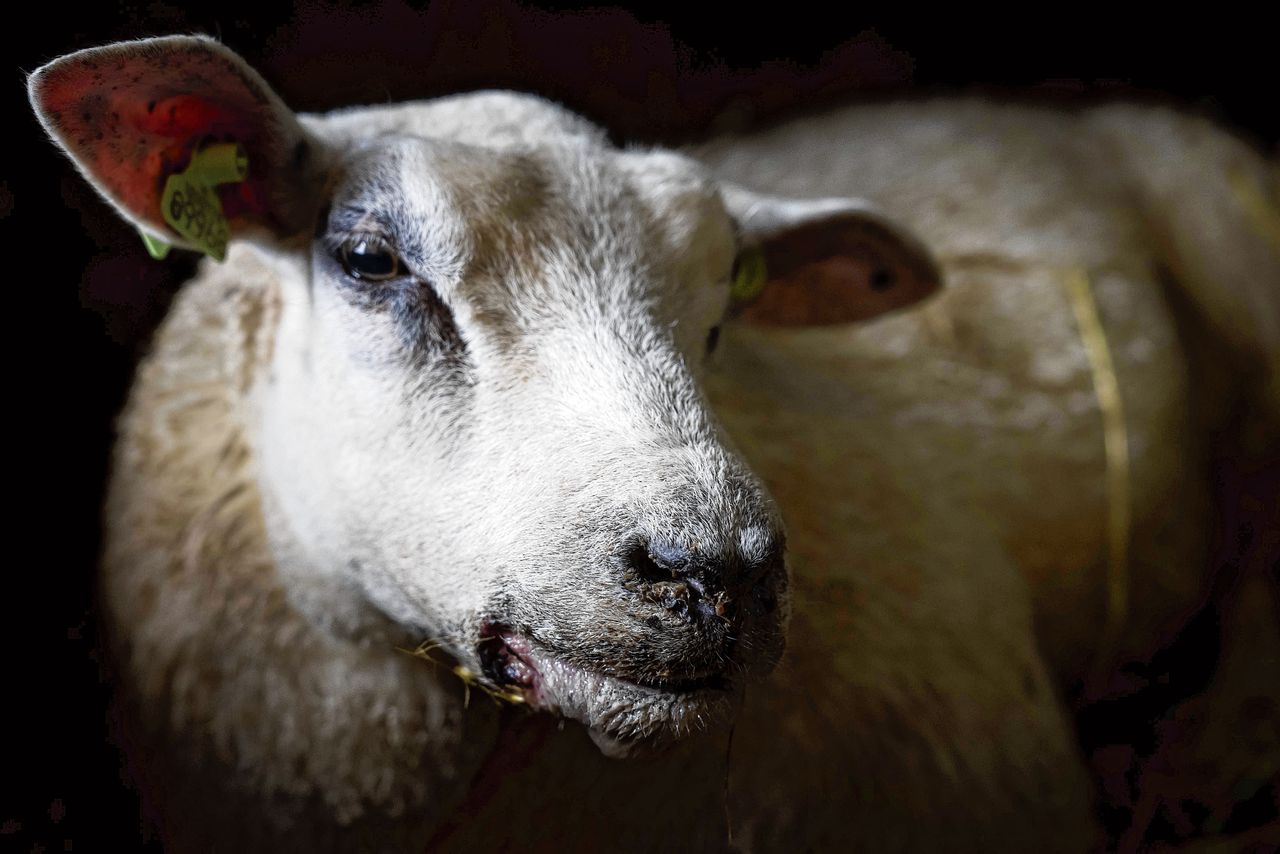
<point>367,259</point>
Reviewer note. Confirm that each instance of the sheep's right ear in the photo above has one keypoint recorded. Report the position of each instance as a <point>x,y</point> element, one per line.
<point>820,262</point>
<point>134,114</point>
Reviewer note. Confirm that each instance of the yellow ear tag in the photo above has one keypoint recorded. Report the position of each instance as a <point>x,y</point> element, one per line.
<point>749,278</point>
<point>190,200</point>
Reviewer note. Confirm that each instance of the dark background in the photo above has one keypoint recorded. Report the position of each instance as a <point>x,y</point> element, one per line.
<point>83,297</point>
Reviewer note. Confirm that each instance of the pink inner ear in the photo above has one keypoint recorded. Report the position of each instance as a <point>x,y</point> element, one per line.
<point>839,271</point>
<point>128,123</point>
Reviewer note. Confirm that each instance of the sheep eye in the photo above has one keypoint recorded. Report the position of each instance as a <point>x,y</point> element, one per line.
<point>369,259</point>
<point>713,338</point>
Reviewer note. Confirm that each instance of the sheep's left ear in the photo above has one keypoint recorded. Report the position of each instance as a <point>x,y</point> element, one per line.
<point>183,138</point>
<point>820,262</point>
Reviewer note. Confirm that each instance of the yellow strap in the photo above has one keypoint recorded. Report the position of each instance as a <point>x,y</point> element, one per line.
<point>1115,436</point>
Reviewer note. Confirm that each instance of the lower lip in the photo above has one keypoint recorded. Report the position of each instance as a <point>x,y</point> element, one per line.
<point>515,666</point>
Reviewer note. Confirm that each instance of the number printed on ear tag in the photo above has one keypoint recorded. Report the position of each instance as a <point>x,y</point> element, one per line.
<point>190,200</point>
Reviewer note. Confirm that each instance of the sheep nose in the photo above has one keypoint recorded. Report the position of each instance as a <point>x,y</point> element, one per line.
<point>704,584</point>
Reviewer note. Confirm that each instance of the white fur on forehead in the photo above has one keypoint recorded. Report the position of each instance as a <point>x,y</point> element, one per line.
<point>528,217</point>
<point>445,194</point>
<point>485,119</point>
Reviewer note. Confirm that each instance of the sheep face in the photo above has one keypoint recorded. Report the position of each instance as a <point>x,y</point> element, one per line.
<point>484,417</point>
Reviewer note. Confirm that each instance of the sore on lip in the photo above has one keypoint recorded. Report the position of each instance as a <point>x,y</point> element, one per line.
<point>508,661</point>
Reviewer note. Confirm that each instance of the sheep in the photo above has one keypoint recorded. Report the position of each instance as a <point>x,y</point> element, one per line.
<point>463,385</point>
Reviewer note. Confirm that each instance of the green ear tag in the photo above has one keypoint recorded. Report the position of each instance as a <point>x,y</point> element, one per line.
<point>190,200</point>
<point>749,279</point>
<point>156,247</point>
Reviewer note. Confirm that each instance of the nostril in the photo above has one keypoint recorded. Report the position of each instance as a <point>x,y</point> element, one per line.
<point>644,567</point>
<point>764,599</point>
<point>762,585</point>
<point>652,562</point>
<point>762,573</point>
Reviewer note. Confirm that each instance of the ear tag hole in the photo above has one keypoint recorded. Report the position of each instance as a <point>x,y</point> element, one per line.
<point>190,204</point>
<point>750,276</point>
<point>882,279</point>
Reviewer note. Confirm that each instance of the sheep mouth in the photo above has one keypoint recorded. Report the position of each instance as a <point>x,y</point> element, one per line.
<point>624,716</point>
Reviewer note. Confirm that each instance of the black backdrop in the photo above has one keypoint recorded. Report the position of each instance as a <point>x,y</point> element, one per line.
<point>83,297</point>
